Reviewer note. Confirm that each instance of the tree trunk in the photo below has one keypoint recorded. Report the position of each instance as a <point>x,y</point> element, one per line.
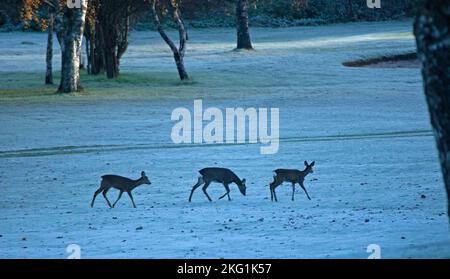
<point>49,55</point>
<point>111,62</point>
<point>113,18</point>
<point>178,53</point>
<point>180,67</point>
<point>243,34</point>
<point>109,25</point>
<point>88,53</point>
<point>94,39</point>
<point>432,33</point>
<point>122,44</point>
<point>350,12</point>
<point>72,26</point>
<point>91,56</point>
<point>97,46</point>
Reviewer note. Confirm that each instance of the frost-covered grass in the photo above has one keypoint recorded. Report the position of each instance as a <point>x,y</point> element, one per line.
<point>377,177</point>
<point>29,86</point>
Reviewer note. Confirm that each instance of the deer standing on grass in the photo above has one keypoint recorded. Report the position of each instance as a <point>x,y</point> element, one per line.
<point>121,183</point>
<point>220,175</point>
<point>293,176</point>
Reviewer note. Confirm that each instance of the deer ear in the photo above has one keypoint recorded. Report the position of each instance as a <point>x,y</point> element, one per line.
<point>313,163</point>
<point>143,173</point>
<point>243,181</point>
<point>306,163</point>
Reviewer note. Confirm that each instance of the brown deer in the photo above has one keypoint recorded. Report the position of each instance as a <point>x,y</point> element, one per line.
<point>293,176</point>
<point>121,183</point>
<point>220,175</point>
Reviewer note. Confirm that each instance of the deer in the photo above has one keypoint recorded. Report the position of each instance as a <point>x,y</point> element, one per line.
<point>121,183</point>
<point>219,175</point>
<point>290,175</point>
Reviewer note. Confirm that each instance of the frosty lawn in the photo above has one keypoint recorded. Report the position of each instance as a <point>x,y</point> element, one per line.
<point>376,179</point>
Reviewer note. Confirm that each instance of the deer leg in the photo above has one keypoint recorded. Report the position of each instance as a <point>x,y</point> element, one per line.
<point>120,195</point>
<point>274,194</point>
<point>304,189</point>
<point>227,188</point>
<point>271,193</point>
<point>293,190</point>
<point>99,190</point>
<point>273,186</point>
<point>199,182</point>
<point>204,190</point>
<point>131,197</point>
<point>106,198</point>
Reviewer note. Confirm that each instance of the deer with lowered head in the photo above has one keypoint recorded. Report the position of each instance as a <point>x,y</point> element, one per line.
<point>290,175</point>
<point>220,175</point>
<point>123,184</point>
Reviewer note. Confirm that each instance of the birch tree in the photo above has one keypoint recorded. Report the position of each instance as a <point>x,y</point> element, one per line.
<point>178,52</point>
<point>70,35</point>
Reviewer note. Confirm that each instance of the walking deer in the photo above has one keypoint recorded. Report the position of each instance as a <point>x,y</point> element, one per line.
<point>220,175</point>
<point>293,176</point>
<point>121,183</point>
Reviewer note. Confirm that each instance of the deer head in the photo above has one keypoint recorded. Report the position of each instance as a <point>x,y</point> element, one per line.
<point>144,179</point>
<point>242,187</point>
<point>309,167</point>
